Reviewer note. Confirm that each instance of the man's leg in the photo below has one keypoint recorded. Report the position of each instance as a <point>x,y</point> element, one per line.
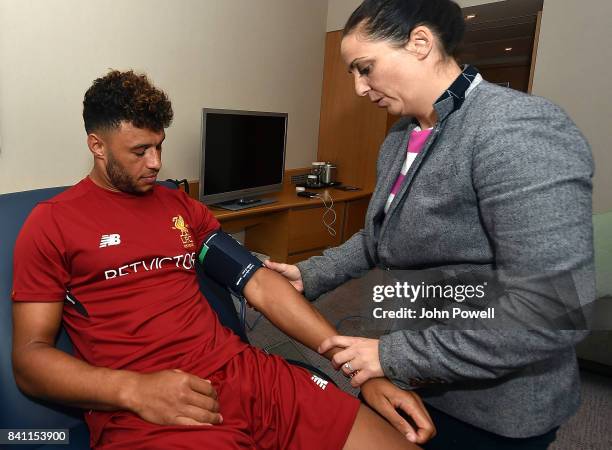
<point>371,431</point>
<point>288,407</point>
<point>130,432</point>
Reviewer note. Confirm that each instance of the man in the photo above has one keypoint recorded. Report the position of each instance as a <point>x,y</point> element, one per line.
<point>153,364</point>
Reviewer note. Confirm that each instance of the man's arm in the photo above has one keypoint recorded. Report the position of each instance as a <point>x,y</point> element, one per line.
<point>41,370</point>
<point>272,295</point>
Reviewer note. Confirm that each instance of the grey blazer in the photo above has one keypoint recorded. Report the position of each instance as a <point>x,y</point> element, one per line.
<point>504,182</point>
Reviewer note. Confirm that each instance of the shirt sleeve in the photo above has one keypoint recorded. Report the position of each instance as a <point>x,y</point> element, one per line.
<point>203,221</point>
<point>337,264</point>
<point>40,270</point>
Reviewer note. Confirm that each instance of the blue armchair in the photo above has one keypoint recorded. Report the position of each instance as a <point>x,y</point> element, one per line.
<point>19,411</point>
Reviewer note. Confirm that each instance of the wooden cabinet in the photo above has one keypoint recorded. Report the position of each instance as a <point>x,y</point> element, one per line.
<point>308,232</point>
<point>296,258</point>
<point>354,217</point>
<point>309,237</point>
<point>291,229</point>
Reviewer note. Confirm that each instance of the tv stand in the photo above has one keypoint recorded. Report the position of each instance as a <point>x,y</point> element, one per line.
<point>243,203</point>
<point>291,229</point>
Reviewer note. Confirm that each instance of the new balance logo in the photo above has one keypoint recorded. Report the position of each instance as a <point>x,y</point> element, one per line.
<point>110,239</point>
<point>319,382</point>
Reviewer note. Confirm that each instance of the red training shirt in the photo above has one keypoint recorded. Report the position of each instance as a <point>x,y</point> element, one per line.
<point>129,260</point>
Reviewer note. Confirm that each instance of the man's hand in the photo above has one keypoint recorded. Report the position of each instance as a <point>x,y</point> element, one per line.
<point>290,272</point>
<point>384,397</point>
<point>168,397</point>
<point>357,359</point>
<point>173,397</point>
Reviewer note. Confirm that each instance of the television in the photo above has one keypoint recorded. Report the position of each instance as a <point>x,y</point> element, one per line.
<point>243,155</point>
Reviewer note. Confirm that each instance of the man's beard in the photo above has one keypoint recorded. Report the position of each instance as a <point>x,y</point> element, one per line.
<point>118,177</point>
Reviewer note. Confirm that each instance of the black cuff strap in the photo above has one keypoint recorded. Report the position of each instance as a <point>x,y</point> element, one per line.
<point>226,261</point>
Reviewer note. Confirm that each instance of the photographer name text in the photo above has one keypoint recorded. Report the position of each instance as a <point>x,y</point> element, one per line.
<point>434,313</point>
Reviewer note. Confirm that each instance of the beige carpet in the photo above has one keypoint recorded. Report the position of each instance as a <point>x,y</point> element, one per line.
<point>591,427</point>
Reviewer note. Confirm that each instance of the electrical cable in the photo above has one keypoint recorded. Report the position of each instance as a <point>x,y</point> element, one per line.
<point>329,210</point>
<point>243,307</point>
<point>244,323</point>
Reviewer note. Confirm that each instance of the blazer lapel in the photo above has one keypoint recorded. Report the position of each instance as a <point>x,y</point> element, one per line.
<point>379,198</point>
<point>411,172</point>
<point>450,101</point>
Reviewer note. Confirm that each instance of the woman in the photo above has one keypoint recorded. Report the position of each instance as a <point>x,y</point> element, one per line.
<point>472,175</point>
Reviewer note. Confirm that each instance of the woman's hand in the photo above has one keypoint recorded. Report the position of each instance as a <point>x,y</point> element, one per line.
<point>386,398</point>
<point>291,272</point>
<point>359,359</point>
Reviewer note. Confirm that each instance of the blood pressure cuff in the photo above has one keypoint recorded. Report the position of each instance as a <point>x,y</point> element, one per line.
<point>226,261</point>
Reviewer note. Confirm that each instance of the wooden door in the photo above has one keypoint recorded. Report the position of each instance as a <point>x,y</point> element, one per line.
<point>351,128</point>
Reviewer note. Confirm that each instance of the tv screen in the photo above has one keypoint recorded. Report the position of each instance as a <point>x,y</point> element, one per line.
<point>243,152</point>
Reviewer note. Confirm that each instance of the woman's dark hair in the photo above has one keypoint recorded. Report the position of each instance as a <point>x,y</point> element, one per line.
<point>125,96</point>
<point>394,20</point>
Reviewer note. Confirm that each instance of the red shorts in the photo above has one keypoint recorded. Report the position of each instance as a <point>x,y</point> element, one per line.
<point>266,403</point>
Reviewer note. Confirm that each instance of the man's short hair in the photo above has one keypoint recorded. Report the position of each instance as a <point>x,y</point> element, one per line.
<point>125,96</point>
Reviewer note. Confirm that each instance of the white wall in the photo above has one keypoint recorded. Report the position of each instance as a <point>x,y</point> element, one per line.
<point>238,54</point>
<point>573,69</point>
<point>338,11</point>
